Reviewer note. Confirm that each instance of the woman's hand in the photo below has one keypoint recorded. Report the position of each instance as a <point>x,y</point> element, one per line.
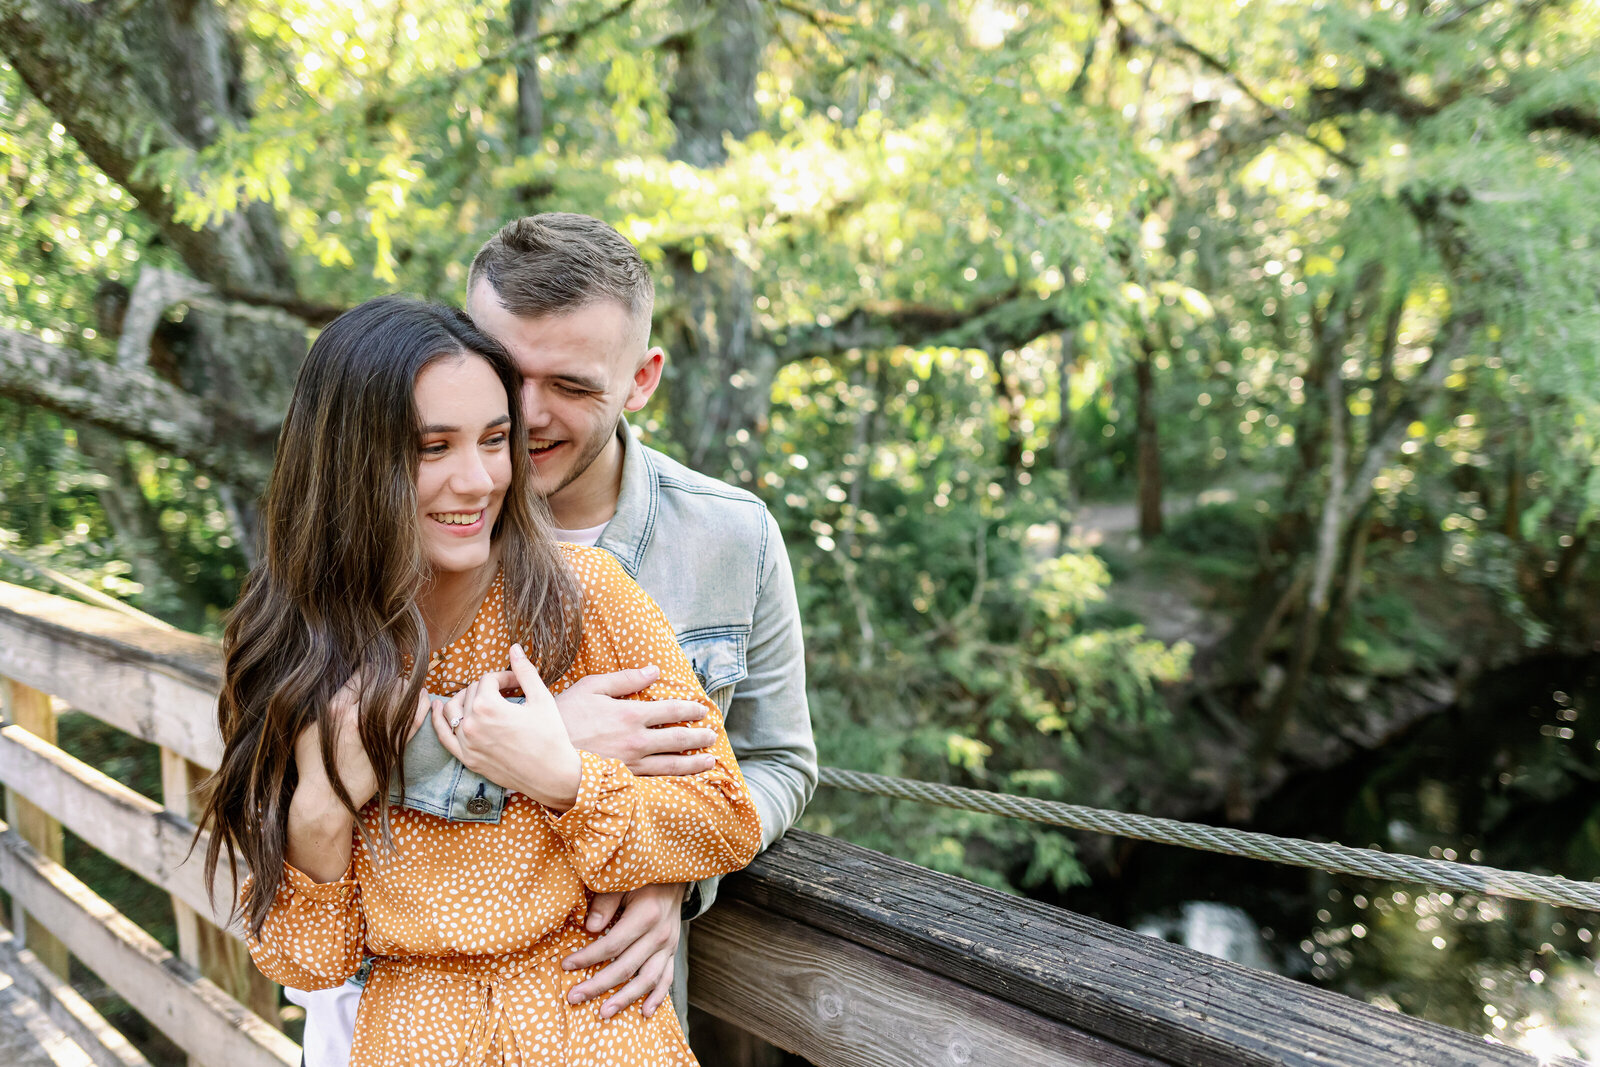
<point>319,823</point>
<point>524,747</point>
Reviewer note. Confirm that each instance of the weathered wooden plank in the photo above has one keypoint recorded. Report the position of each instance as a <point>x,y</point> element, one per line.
<point>197,1016</point>
<point>28,1038</point>
<point>156,685</point>
<point>65,1007</point>
<point>841,1005</point>
<point>1158,998</point>
<point>31,711</point>
<point>218,954</point>
<point>127,826</point>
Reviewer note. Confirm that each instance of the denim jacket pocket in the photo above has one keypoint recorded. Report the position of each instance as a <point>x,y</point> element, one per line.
<point>436,783</point>
<point>717,654</point>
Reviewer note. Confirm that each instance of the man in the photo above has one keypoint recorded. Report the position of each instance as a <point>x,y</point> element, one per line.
<point>571,299</point>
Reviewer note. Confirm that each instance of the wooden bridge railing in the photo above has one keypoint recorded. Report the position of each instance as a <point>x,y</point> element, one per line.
<point>846,956</point>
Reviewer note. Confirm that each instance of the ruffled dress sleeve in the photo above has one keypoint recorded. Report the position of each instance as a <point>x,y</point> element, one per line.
<point>627,830</point>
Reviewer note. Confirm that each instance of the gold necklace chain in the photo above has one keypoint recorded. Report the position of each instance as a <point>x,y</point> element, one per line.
<point>462,624</point>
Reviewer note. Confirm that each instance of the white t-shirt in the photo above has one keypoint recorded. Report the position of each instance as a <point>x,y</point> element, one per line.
<point>331,1013</point>
<point>589,537</point>
<point>330,1022</point>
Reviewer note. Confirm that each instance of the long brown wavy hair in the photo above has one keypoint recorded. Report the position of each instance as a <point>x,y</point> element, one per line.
<point>337,586</point>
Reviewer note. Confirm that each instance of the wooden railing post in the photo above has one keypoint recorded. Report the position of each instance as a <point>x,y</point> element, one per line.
<point>30,709</point>
<point>175,798</point>
<point>221,958</point>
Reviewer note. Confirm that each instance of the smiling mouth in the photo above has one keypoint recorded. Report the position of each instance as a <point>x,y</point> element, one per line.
<point>456,518</point>
<point>539,446</point>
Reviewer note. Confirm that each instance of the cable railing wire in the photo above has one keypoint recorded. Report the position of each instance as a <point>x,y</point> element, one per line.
<point>1336,858</point>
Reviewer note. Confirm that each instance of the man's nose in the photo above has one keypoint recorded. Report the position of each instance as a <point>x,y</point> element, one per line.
<point>535,412</point>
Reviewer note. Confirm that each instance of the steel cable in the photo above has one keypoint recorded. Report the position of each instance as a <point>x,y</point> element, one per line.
<point>1341,859</point>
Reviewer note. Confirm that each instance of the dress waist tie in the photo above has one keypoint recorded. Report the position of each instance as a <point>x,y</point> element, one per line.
<point>491,1031</point>
<point>492,1038</point>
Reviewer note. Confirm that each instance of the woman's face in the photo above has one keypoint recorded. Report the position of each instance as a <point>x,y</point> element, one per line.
<point>464,463</point>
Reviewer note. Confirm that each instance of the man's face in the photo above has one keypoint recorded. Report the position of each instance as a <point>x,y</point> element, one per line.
<point>580,371</point>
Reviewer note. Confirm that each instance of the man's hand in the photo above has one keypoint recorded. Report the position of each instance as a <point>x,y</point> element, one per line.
<point>637,732</point>
<point>641,946</point>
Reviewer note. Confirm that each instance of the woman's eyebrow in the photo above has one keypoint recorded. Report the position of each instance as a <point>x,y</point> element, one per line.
<point>436,427</point>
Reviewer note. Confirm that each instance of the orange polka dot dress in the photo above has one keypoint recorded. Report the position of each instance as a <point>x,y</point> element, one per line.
<point>470,921</point>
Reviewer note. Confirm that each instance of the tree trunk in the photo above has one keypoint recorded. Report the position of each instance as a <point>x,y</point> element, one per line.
<point>135,526</point>
<point>719,372</point>
<point>869,381</point>
<point>128,81</point>
<point>1149,445</point>
<point>1359,533</point>
<point>125,87</point>
<point>530,96</point>
<point>1330,334</point>
<point>1010,400</point>
<point>1061,446</point>
<point>1511,519</point>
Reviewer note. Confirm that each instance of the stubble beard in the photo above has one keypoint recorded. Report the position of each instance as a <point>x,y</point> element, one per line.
<point>592,449</point>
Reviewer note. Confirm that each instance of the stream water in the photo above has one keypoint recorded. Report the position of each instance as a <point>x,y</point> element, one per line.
<point>1510,778</point>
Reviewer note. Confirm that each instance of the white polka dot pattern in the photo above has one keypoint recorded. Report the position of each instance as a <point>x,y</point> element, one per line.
<point>471,920</point>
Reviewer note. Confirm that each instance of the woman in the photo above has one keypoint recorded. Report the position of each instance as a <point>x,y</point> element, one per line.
<point>405,555</point>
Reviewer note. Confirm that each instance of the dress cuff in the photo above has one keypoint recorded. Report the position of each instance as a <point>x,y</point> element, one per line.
<point>299,884</point>
<point>600,808</point>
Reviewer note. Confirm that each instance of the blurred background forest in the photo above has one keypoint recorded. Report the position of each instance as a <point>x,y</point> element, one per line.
<point>1184,408</point>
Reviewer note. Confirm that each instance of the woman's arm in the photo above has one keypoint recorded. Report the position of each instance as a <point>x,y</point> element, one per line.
<point>314,935</point>
<point>628,830</point>
<point>321,828</point>
<point>624,831</point>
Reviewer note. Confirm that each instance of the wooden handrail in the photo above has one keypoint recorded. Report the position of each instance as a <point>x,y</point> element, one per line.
<point>127,826</point>
<point>200,1018</point>
<point>842,954</point>
<point>1165,1001</point>
<point>158,686</point>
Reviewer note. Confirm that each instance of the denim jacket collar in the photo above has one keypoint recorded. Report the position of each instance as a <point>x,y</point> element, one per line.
<point>628,534</point>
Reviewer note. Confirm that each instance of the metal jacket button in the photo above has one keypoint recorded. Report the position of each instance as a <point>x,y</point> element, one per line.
<point>479,806</point>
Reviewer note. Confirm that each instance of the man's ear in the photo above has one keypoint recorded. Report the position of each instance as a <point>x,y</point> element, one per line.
<point>646,379</point>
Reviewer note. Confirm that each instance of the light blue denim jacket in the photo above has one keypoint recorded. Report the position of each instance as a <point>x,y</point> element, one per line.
<point>712,557</point>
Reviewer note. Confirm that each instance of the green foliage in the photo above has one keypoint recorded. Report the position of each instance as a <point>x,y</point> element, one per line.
<point>1387,637</point>
<point>1392,168</point>
<point>1223,529</point>
<point>958,652</point>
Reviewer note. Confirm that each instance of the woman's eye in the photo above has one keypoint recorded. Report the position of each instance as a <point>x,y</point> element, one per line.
<point>438,448</point>
<point>494,440</point>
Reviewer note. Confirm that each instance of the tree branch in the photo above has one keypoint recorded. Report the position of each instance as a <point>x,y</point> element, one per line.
<point>1007,320</point>
<point>133,403</point>
<point>566,38</point>
<point>1449,344</point>
<point>74,59</point>
<point>826,22</point>
<point>1570,118</point>
<point>1185,45</point>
